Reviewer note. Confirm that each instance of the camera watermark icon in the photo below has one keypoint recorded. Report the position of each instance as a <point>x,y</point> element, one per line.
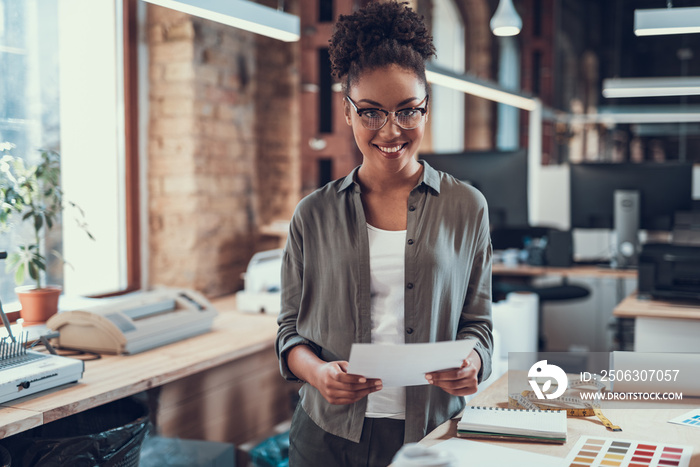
<point>542,369</point>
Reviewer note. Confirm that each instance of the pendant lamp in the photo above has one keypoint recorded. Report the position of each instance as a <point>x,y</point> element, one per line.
<point>506,21</point>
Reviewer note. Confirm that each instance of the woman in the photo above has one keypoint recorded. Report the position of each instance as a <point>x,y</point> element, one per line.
<point>395,252</point>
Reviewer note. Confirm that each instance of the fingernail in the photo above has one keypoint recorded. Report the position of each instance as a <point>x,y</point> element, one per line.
<point>429,378</point>
<point>378,384</point>
<point>363,380</point>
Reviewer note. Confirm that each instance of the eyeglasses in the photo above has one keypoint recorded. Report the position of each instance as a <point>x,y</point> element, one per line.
<point>408,118</point>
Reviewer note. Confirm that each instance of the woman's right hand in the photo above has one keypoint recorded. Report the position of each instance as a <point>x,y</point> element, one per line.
<point>339,387</point>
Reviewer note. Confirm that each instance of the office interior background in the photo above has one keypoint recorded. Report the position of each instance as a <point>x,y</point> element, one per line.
<point>188,143</point>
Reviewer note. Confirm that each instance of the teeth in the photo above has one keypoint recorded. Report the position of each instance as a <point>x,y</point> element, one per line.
<point>391,149</point>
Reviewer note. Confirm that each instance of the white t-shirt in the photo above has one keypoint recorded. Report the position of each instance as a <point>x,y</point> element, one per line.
<point>386,267</point>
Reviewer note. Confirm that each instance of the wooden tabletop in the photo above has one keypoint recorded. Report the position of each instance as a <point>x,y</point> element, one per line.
<point>637,424</point>
<point>633,307</point>
<point>234,335</point>
<point>524,270</point>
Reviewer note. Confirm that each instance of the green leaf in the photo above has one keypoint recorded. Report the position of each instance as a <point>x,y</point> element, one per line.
<point>39,262</point>
<point>38,222</point>
<point>33,271</point>
<point>19,274</point>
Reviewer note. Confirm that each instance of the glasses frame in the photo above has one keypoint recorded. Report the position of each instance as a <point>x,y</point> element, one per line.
<point>422,110</point>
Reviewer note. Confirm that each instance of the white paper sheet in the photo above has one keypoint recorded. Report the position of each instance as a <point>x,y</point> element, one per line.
<point>477,454</point>
<point>407,364</point>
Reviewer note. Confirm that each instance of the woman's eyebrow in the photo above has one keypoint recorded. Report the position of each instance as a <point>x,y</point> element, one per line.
<point>377,104</point>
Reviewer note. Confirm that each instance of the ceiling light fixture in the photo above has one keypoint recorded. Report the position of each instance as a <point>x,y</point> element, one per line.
<point>477,87</point>
<point>506,21</point>
<point>651,87</point>
<point>662,21</point>
<point>240,14</point>
<point>636,114</point>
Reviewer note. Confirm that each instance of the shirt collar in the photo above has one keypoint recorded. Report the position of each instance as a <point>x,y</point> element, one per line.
<point>430,178</point>
<point>350,180</point>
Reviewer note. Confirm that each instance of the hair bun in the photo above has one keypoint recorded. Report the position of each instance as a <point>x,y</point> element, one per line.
<point>375,29</point>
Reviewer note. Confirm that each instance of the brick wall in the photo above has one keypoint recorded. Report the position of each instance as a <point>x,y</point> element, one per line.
<point>208,98</point>
<point>337,146</point>
<point>277,128</point>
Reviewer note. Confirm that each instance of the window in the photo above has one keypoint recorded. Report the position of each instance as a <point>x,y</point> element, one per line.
<point>64,88</point>
<point>325,94</point>
<point>325,11</point>
<point>447,115</point>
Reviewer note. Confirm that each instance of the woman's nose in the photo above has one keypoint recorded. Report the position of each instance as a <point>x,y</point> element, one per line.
<point>390,128</point>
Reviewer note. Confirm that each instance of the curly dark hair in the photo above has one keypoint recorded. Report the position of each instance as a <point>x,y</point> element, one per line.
<point>377,35</point>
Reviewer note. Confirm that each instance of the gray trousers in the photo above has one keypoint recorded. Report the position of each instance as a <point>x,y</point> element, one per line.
<point>311,446</point>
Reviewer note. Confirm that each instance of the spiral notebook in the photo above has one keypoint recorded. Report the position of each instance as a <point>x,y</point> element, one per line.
<point>513,424</point>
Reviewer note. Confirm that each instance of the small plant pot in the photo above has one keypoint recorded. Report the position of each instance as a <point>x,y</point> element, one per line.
<point>38,305</point>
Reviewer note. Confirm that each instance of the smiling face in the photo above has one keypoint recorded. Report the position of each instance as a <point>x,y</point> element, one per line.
<point>392,88</point>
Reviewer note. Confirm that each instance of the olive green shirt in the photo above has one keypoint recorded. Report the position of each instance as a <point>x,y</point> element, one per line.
<point>326,289</point>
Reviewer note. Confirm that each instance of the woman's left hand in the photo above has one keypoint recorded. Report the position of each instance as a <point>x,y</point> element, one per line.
<point>460,381</point>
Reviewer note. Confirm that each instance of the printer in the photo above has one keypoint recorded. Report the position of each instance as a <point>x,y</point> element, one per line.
<point>669,271</point>
<point>134,323</point>
<point>262,284</point>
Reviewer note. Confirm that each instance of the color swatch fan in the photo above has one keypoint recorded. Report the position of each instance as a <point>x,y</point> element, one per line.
<point>592,452</point>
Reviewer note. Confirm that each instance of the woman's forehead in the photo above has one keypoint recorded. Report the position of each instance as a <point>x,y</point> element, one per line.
<point>389,86</point>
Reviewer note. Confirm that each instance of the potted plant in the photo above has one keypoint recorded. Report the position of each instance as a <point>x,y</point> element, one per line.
<point>32,194</point>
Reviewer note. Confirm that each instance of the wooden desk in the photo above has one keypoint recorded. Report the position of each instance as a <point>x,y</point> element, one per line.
<point>220,386</point>
<point>661,325</point>
<point>638,424</point>
<point>524,270</point>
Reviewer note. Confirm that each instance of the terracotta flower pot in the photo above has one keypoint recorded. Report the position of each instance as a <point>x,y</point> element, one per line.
<point>38,305</point>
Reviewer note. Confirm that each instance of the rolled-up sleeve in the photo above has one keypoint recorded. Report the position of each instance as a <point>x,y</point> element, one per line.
<point>292,289</point>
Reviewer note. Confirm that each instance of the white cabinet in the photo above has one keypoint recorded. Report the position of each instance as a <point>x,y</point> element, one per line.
<point>584,324</point>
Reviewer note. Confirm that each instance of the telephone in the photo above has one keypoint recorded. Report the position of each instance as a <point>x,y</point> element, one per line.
<point>134,323</point>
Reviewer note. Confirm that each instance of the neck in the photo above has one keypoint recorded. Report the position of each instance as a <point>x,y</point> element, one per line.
<point>377,180</point>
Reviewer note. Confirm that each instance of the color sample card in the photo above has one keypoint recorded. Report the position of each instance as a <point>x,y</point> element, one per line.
<point>593,452</point>
<point>691,418</point>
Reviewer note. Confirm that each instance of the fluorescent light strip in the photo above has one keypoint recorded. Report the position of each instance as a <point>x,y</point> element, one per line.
<point>662,21</point>
<point>240,14</point>
<point>477,87</point>
<point>636,114</point>
<point>651,87</point>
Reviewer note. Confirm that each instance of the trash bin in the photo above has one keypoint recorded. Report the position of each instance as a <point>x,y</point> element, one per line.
<point>175,452</point>
<point>5,458</point>
<point>273,452</point>
<point>106,436</point>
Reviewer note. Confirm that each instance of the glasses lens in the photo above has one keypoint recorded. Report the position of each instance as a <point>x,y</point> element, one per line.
<point>409,119</point>
<point>373,120</point>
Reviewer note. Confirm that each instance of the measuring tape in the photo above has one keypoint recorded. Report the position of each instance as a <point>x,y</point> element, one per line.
<point>574,406</point>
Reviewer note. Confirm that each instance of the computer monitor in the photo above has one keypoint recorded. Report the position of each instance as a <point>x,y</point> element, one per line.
<point>664,188</point>
<point>500,175</point>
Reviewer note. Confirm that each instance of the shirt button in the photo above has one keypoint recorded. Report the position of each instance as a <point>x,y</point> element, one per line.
<point>410,241</point>
<point>409,330</point>
<point>409,285</point>
<point>411,208</point>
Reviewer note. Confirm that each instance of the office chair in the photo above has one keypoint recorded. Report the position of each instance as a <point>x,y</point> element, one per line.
<point>503,238</point>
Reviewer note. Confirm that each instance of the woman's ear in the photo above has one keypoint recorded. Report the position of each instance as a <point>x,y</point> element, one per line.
<point>346,112</point>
